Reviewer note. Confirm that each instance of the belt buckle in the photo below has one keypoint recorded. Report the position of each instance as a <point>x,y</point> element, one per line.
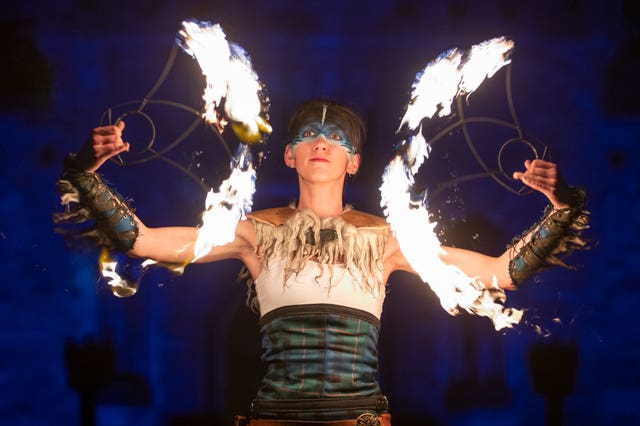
<point>367,419</point>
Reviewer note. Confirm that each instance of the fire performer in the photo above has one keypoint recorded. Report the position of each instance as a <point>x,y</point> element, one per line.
<point>317,269</point>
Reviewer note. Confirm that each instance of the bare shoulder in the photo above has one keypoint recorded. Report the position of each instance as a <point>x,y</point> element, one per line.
<point>394,259</point>
<point>246,233</point>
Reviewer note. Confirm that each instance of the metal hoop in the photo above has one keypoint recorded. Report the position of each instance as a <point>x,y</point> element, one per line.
<point>147,118</point>
<point>507,143</point>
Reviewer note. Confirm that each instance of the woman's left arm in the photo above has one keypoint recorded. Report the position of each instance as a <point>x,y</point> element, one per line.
<point>558,231</point>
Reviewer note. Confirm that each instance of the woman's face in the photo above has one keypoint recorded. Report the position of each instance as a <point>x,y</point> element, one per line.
<point>322,151</point>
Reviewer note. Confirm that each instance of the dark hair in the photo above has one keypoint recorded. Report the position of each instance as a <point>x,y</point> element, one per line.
<point>344,117</point>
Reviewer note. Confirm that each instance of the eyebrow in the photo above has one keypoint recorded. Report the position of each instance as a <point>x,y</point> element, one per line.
<point>330,127</point>
<point>327,129</point>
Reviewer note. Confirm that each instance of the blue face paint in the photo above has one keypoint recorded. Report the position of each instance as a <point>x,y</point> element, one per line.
<point>333,134</point>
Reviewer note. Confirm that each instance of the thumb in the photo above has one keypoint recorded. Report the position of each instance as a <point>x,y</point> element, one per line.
<point>527,164</point>
<point>120,125</point>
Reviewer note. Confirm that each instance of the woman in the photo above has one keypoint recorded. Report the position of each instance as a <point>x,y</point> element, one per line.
<point>317,270</point>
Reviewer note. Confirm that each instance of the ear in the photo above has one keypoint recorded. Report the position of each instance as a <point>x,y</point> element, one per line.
<point>354,164</point>
<point>289,158</point>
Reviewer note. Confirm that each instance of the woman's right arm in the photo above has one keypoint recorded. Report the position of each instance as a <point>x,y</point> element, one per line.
<point>176,245</point>
<point>167,244</point>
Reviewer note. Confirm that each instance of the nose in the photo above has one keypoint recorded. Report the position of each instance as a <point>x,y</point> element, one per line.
<point>321,143</point>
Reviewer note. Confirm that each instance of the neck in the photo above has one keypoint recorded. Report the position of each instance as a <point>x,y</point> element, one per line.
<point>324,199</point>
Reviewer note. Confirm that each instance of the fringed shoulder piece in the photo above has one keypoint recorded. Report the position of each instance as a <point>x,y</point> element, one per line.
<point>276,216</point>
<point>355,240</point>
<point>364,220</point>
<point>279,215</point>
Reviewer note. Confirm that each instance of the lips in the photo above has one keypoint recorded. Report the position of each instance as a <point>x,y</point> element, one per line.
<point>318,160</point>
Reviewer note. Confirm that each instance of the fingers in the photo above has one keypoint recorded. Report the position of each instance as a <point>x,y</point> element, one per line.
<point>103,143</point>
<point>112,130</point>
<point>106,131</point>
<point>109,149</point>
<point>543,176</point>
<point>540,183</point>
<point>107,141</point>
<point>539,174</point>
<point>108,134</point>
<point>538,167</point>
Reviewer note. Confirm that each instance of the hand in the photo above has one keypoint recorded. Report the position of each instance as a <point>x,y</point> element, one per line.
<point>103,144</point>
<point>543,176</point>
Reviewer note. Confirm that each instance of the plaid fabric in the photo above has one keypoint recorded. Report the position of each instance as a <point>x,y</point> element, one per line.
<point>322,353</point>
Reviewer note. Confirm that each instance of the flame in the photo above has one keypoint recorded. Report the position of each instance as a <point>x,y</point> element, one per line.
<point>434,89</point>
<point>120,286</point>
<point>452,74</point>
<point>223,209</point>
<point>483,61</point>
<point>232,90</point>
<point>231,95</point>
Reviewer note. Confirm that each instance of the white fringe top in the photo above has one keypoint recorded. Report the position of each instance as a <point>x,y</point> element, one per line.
<point>308,260</point>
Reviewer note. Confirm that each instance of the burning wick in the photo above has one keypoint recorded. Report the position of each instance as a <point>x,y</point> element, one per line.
<point>454,73</point>
<point>120,286</point>
<point>232,90</point>
<point>223,209</point>
<point>231,95</point>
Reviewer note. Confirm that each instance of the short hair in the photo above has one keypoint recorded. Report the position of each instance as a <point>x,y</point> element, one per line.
<point>340,115</point>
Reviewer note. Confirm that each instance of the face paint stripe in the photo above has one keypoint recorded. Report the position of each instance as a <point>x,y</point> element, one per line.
<point>327,130</point>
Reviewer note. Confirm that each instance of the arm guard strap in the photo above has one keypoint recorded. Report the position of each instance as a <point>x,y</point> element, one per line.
<point>115,223</point>
<point>557,233</point>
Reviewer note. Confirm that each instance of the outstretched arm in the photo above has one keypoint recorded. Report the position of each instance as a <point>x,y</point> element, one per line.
<point>176,245</point>
<point>473,264</point>
<point>124,230</point>
<point>530,251</point>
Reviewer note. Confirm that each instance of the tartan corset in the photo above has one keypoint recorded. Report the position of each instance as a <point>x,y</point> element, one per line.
<point>319,351</point>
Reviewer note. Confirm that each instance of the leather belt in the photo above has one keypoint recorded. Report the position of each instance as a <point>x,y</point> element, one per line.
<point>366,419</point>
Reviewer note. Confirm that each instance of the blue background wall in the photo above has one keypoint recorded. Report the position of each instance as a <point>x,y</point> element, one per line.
<point>184,349</point>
